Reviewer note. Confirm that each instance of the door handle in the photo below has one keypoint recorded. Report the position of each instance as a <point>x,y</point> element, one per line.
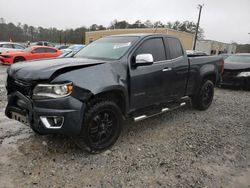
<point>167,69</point>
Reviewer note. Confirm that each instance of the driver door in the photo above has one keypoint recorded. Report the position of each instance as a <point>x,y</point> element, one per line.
<point>149,84</point>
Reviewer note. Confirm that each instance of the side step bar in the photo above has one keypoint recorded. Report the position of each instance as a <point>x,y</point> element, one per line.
<point>142,117</point>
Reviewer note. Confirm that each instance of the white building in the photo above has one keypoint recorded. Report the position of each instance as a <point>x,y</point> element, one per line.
<point>212,47</point>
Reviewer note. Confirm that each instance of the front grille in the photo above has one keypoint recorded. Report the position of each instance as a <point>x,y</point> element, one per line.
<point>17,85</point>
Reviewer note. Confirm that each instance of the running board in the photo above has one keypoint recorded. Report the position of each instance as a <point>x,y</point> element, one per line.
<point>142,117</point>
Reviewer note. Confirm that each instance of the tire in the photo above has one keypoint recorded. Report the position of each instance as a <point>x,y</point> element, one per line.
<point>18,59</point>
<point>102,125</point>
<point>203,99</point>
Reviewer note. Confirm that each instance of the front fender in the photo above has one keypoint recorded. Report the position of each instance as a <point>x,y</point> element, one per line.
<point>98,79</point>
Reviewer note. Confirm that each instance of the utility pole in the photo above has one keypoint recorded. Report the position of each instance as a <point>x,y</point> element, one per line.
<point>197,26</point>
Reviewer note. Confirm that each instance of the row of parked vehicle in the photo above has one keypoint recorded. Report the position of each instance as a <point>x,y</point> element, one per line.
<point>13,52</point>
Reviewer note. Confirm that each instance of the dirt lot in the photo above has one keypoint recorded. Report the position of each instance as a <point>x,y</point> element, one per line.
<point>183,148</point>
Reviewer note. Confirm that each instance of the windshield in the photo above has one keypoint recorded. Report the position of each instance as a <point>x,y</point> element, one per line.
<point>238,58</point>
<point>110,48</point>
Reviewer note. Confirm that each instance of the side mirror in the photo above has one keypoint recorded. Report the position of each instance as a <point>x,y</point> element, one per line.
<point>33,51</point>
<point>144,59</point>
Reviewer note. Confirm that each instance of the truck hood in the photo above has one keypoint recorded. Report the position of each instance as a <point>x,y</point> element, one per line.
<point>236,66</point>
<point>44,69</point>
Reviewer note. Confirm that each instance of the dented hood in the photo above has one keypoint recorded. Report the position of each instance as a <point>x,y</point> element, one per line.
<point>44,69</point>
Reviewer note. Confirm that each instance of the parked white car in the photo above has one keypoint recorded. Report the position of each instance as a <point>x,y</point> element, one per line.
<point>10,46</point>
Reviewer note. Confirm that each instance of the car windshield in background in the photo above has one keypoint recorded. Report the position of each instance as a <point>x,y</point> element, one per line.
<point>238,58</point>
<point>110,48</point>
<point>74,47</point>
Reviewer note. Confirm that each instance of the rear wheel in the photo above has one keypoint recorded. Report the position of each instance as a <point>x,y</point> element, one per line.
<point>102,125</point>
<point>203,99</point>
<point>18,59</point>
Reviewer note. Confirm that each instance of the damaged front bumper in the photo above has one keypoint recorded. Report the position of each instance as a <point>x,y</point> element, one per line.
<point>47,116</point>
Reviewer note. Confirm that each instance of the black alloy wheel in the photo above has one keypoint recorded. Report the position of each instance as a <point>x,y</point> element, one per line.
<point>102,125</point>
<point>204,97</point>
<point>207,94</point>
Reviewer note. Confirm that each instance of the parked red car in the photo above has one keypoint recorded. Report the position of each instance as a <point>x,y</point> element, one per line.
<point>34,52</point>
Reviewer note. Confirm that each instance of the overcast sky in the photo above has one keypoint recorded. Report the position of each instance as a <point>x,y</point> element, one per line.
<point>222,20</point>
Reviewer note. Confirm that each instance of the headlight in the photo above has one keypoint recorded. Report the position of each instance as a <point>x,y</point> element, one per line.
<point>243,74</point>
<point>42,91</point>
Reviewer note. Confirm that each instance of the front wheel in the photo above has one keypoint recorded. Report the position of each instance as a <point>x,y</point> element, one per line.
<point>204,97</point>
<point>102,125</point>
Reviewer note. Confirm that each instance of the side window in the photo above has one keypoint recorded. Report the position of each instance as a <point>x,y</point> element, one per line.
<point>175,48</point>
<point>50,50</point>
<point>16,46</point>
<point>7,46</point>
<point>39,50</point>
<point>153,46</point>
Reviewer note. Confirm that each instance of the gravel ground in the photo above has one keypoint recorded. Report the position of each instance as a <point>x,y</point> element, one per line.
<point>183,148</point>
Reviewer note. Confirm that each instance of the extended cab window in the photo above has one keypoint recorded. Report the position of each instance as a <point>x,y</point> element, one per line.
<point>175,48</point>
<point>153,46</point>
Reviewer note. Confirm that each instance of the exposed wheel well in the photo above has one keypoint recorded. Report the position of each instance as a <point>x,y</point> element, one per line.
<point>113,95</point>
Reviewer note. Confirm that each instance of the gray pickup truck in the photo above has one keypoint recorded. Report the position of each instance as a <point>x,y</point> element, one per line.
<point>114,78</point>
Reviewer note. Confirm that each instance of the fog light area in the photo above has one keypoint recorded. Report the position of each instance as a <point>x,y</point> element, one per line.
<point>52,122</point>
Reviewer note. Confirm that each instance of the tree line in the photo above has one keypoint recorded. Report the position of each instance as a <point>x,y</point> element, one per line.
<point>23,32</point>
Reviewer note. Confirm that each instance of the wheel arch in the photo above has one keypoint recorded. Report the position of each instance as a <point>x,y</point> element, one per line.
<point>19,57</point>
<point>210,76</point>
<point>209,71</point>
<point>116,94</point>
